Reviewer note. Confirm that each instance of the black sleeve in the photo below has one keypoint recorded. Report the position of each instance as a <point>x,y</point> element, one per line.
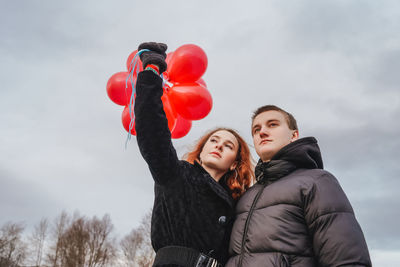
<point>336,235</point>
<point>153,135</point>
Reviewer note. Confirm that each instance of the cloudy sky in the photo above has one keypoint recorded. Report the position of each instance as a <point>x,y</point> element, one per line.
<point>333,64</point>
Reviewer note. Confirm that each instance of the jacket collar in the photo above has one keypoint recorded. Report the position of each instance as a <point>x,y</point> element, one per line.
<point>302,153</point>
<point>268,172</point>
<point>215,186</point>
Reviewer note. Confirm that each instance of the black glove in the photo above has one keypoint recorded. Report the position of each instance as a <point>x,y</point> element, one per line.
<point>155,56</point>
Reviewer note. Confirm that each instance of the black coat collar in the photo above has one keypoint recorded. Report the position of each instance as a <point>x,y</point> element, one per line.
<point>215,186</point>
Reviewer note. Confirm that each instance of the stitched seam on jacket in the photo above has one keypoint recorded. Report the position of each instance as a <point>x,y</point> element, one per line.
<point>277,204</point>
<point>281,252</point>
<point>329,213</point>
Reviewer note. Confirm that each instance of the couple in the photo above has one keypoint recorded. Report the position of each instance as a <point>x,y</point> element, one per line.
<point>205,212</point>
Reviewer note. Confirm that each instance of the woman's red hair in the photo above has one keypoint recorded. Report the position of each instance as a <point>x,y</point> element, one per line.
<point>238,180</point>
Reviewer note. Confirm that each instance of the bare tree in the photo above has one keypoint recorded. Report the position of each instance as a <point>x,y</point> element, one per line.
<point>100,244</point>
<point>130,245</point>
<point>147,254</point>
<point>12,248</point>
<point>136,246</point>
<point>37,241</point>
<point>74,244</point>
<point>75,241</point>
<point>82,242</point>
<point>60,225</point>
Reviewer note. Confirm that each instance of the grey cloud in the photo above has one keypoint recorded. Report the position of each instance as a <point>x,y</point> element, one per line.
<point>350,26</point>
<point>382,72</point>
<point>378,219</point>
<point>21,200</point>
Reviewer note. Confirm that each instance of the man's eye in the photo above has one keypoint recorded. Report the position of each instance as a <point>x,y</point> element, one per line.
<point>256,130</point>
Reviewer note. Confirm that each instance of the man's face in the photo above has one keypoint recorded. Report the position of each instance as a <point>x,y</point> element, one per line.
<point>270,133</point>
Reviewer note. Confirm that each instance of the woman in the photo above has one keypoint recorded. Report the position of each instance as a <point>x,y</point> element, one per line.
<point>194,199</point>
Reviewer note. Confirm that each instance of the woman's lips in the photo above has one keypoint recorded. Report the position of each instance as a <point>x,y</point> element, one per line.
<point>216,153</point>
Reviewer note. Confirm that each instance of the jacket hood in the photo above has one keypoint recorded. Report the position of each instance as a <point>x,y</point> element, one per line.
<point>303,153</point>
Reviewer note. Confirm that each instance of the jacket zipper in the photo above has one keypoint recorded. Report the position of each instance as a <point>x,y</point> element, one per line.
<point>246,226</point>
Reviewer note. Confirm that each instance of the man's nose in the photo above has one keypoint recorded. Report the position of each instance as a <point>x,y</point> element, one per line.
<point>264,132</point>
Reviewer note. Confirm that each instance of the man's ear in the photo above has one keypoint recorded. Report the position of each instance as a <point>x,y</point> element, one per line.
<point>295,136</point>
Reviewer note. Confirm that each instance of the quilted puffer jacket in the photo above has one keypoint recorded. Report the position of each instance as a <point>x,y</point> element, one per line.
<point>296,215</point>
<point>190,208</point>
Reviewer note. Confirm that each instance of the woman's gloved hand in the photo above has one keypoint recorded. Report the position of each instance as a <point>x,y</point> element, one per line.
<point>155,56</point>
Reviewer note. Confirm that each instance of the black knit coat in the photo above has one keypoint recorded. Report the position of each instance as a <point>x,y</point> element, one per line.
<point>296,215</point>
<point>190,208</point>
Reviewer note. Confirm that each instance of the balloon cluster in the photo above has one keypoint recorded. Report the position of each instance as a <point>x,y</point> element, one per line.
<point>185,97</point>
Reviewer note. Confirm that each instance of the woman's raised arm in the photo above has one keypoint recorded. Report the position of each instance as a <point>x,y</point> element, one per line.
<point>153,135</point>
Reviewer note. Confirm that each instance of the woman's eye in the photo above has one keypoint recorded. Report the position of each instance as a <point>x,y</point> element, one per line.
<point>229,146</point>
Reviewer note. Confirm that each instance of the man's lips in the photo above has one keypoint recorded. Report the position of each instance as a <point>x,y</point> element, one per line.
<point>265,141</point>
<point>216,153</point>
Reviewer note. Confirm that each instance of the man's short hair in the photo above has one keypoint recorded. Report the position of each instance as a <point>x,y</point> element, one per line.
<point>291,121</point>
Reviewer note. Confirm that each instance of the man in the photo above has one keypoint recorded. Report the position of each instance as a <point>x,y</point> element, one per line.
<point>296,214</point>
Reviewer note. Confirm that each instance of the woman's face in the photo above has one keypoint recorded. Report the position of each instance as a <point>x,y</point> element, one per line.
<point>219,151</point>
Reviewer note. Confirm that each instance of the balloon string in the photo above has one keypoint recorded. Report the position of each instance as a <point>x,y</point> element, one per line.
<point>134,67</point>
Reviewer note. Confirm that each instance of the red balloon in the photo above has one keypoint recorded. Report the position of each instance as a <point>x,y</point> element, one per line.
<point>182,128</point>
<point>185,97</point>
<point>129,61</point>
<point>165,73</point>
<point>116,88</point>
<point>126,120</point>
<point>169,111</point>
<point>187,64</point>
<point>169,56</point>
<point>191,100</point>
<point>202,82</point>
